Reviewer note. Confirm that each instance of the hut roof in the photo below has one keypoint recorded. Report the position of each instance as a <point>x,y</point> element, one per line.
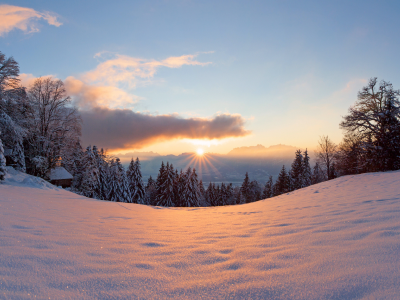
<point>59,173</point>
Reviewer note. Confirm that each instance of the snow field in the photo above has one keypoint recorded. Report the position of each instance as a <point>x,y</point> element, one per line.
<point>336,240</point>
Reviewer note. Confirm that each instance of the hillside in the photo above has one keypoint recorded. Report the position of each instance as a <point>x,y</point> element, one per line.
<point>335,240</point>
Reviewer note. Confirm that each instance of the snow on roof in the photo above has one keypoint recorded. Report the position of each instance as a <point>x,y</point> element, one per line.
<point>59,173</point>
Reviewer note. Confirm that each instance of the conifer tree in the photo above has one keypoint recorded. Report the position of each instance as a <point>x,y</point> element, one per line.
<point>193,191</point>
<point>90,175</point>
<point>230,194</point>
<point>118,190</point>
<point>179,185</point>
<point>210,195</point>
<point>307,174</point>
<point>268,189</point>
<point>167,189</point>
<point>297,172</point>
<point>135,181</point>
<point>245,189</point>
<point>282,184</point>
<point>151,191</point>
<point>102,166</point>
<point>202,190</point>
<point>2,162</point>
<point>159,183</point>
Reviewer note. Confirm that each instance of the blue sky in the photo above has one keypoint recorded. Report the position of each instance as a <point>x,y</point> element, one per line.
<point>290,69</point>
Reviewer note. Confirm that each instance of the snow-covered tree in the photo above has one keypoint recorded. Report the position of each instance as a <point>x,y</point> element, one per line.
<point>191,189</point>
<point>90,175</point>
<point>2,161</point>
<point>13,137</point>
<point>118,190</point>
<point>55,124</point>
<point>166,197</point>
<point>136,184</point>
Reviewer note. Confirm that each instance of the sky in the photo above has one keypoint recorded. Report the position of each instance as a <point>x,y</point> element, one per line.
<point>175,76</point>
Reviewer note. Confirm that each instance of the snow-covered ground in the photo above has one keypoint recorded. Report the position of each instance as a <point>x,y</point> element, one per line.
<point>335,240</point>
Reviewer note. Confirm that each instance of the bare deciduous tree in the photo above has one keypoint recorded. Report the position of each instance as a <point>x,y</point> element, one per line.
<point>326,155</point>
<point>55,126</point>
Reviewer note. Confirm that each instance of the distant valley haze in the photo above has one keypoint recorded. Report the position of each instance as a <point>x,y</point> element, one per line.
<point>259,161</point>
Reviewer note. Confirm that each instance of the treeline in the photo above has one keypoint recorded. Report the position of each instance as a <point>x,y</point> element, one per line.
<point>39,127</point>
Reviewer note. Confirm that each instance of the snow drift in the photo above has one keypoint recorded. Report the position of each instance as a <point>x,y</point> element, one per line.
<point>335,240</point>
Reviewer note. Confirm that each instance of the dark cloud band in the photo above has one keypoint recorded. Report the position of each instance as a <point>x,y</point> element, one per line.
<point>123,128</point>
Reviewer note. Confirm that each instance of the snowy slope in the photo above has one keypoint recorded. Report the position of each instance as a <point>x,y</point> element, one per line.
<point>335,240</point>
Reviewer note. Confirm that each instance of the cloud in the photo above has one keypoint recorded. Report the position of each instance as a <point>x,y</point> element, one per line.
<point>23,18</point>
<point>122,69</point>
<point>122,128</point>
<point>87,96</point>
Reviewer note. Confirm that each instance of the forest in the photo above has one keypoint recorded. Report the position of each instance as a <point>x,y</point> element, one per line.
<point>40,129</point>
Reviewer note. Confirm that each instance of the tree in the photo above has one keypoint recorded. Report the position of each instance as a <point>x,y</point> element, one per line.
<point>192,191</point>
<point>297,171</point>
<point>245,189</point>
<point>55,124</point>
<point>9,72</point>
<point>307,174</point>
<point>255,191</point>
<point>268,189</point>
<point>2,162</point>
<point>136,184</point>
<point>374,119</point>
<point>282,184</point>
<point>166,197</point>
<point>151,191</point>
<point>326,155</point>
<point>317,176</point>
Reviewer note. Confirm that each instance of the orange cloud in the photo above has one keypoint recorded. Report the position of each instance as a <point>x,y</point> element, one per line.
<point>130,70</point>
<point>118,129</point>
<point>87,96</point>
<point>23,18</point>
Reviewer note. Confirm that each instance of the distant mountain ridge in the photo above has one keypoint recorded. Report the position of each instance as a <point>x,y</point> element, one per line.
<point>261,150</point>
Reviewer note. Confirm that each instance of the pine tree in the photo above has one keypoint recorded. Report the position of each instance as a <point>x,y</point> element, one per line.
<point>159,183</point>
<point>223,198</point>
<point>167,188</point>
<point>245,189</point>
<point>136,185</point>
<point>193,191</point>
<point>307,174</point>
<point>151,191</point>
<point>2,162</point>
<point>282,184</point>
<point>118,190</point>
<point>268,189</point>
<point>297,172</point>
<point>90,175</point>
<point>102,166</point>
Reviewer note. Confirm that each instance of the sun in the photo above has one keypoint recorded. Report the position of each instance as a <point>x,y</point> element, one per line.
<point>200,151</point>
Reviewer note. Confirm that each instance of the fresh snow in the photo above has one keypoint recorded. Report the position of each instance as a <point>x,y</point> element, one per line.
<point>335,240</point>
